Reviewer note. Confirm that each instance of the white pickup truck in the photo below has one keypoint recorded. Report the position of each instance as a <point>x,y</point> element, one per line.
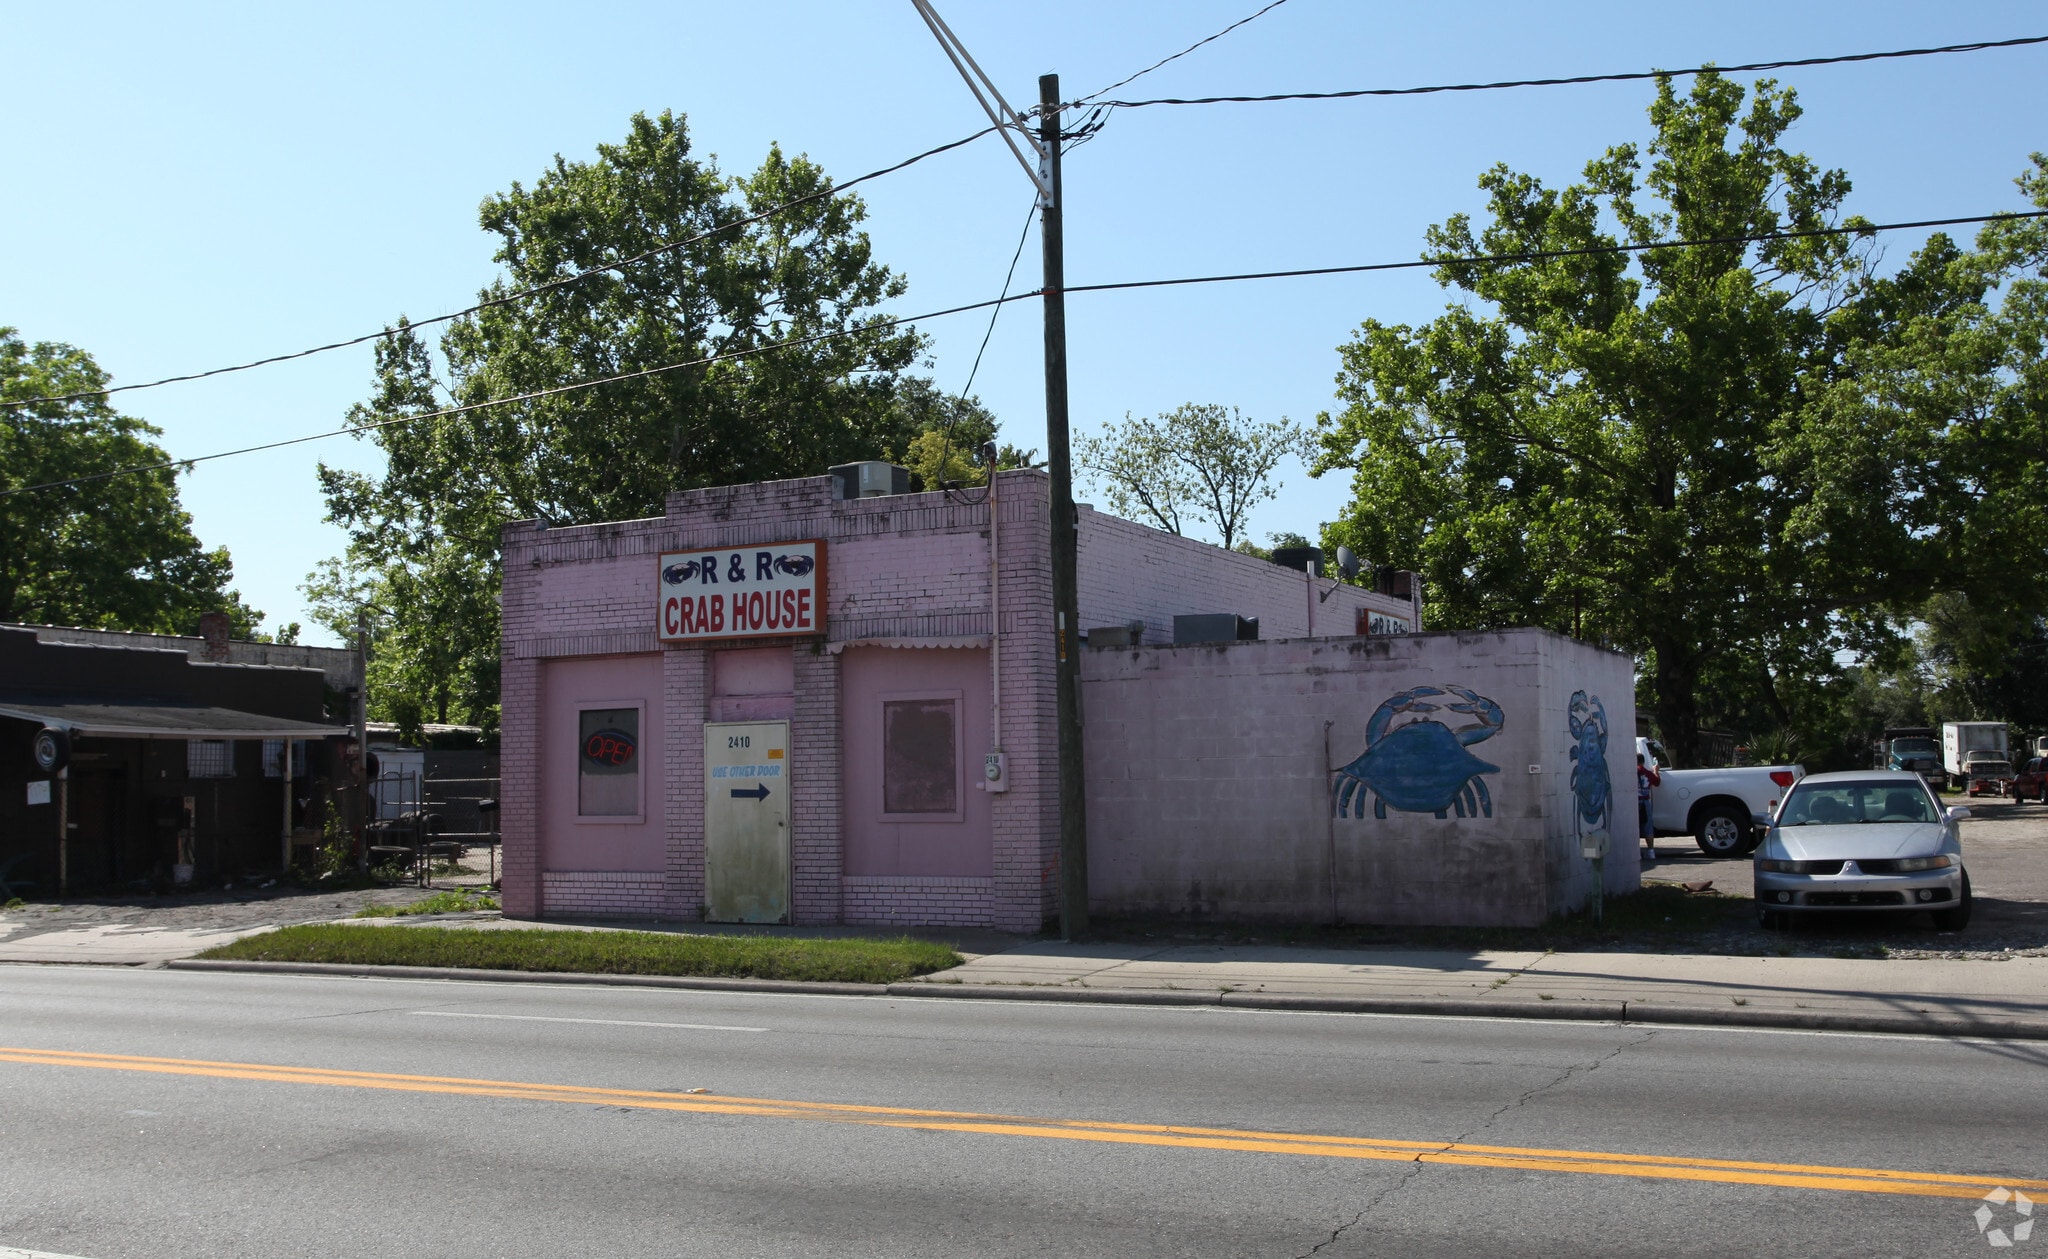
<point>1717,807</point>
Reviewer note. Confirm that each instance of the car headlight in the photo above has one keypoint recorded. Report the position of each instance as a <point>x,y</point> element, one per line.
<point>1907,865</point>
<point>1776,866</point>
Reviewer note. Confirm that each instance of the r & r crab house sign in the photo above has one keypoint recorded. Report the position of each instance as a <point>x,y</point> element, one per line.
<point>770,591</point>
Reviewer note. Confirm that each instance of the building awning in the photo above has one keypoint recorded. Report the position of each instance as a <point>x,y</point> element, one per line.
<point>166,721</point>
<point>965,641</point>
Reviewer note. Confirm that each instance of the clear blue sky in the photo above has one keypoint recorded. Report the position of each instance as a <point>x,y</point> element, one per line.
<point>188,186</point>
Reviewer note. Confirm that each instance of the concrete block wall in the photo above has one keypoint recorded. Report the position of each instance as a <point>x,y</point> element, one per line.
<point>1210,775</point>
<point>1132,572</point>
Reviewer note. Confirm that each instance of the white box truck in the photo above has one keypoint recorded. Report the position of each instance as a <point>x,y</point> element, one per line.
<point>1981,742</point>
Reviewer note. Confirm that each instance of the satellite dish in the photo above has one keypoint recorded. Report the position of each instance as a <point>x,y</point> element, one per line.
<point>1347,563</point>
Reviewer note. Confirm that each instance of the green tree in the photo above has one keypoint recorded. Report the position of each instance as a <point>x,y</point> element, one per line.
<point>423,536</point>
<point>951,431</point>
<point>1737,460</point>
<point>1196,464</point>
<point>113,553</point>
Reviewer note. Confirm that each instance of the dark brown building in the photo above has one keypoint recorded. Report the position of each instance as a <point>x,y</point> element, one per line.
<point>173,767</point>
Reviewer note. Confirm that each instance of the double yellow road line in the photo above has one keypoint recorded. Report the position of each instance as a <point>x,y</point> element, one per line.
<point>1177,1136</point>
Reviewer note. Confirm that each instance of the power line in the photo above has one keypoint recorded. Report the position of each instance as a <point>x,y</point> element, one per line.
<point>1542,255</point>
<point>1539,255</point>
<point>792,343</point>
<point>1625,77</point>
<point>1184,52</point>
<point>967,390</point>
<point>520,295</point>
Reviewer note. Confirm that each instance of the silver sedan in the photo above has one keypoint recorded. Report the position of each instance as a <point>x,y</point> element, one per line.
<point>1865,840</point>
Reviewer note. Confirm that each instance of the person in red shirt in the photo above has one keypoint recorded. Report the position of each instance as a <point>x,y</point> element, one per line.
<point>1646,778</point>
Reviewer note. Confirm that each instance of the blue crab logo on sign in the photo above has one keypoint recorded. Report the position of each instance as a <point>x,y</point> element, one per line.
<point>1422,765</point>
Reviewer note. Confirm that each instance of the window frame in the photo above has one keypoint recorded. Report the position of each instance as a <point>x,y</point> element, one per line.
<point>576,710</point>
<point>958,699</point>
<point>228,762</point>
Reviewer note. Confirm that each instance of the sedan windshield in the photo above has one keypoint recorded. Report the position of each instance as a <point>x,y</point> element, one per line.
<point>1838,803</point>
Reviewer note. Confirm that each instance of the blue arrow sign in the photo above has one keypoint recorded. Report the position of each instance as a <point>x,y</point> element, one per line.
<point>758,793</point>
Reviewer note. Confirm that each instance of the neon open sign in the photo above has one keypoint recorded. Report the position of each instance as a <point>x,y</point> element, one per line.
<point>614,749</point>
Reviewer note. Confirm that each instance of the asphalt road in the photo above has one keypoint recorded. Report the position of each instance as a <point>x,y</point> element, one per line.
<point>164,1113</point>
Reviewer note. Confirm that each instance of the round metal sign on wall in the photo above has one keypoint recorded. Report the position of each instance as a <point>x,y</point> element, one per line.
<point>52,749</point>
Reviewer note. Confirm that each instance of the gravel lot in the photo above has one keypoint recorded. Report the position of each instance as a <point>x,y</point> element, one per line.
<point>233,907</point>
<point>2005,846</point>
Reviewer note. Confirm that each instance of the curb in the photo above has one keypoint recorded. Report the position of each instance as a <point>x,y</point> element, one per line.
<point>707,983</point>
<point>1576,1012</point>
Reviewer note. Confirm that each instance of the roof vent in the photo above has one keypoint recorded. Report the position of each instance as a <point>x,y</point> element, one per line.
<point>871,478</point>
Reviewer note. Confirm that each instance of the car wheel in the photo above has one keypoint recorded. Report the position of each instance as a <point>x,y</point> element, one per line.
<point>1722,832</point>
<point>1771,919</point>
<point>1959,917</point>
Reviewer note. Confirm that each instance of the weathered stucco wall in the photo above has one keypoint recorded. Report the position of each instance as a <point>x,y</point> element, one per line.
<point>1216,775</point>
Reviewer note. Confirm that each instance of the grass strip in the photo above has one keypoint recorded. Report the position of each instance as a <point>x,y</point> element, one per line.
<point>597,952</point>
<point>438,903</point>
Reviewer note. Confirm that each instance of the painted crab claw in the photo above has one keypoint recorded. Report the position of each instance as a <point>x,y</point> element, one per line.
<point>1408,701</point>
<point>1490,716</point>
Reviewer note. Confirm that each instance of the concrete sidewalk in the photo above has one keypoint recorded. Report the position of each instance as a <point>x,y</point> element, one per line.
<point>1786,990</point>
<point>1999,997</point>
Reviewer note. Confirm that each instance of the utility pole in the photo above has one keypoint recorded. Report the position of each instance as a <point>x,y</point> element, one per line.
<point>1066,591</point>
<point>1066,600</point>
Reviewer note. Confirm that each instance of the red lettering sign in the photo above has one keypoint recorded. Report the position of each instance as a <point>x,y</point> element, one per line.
<point>764,590</point>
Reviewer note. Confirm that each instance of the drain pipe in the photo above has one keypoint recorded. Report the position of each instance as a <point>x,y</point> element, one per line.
<point>996,772</point>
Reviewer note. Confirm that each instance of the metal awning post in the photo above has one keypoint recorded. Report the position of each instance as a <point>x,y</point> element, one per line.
<point>64,831</point>
<point>284,771</point>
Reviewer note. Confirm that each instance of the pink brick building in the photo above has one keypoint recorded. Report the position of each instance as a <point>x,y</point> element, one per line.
<point>687,737</point>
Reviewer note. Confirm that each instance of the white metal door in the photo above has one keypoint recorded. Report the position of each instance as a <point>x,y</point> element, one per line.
<point>746,821</point>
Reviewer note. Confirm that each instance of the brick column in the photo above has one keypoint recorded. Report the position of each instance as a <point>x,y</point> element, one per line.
<point>519,786</point>
<point>817,845</point>
<point>685,678</point>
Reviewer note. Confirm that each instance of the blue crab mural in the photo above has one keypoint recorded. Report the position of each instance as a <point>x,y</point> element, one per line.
<point>1591,787</point>
<point>1422,766</point>
<point>677,574</point>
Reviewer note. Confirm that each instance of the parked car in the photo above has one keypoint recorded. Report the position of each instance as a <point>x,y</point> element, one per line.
<point>2031,783</point>
<point>1987,775</point>
<point>1717,807</point>
<point>1863,840</point>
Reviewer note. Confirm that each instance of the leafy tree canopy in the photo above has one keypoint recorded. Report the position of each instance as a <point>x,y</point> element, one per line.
<point>423,536</point>
<point>1198,464</point>
<point>951,434</point>
<point>114,553</point>
<point>1742,461</point>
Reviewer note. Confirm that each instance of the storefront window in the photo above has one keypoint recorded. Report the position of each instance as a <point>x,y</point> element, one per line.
<point>209,758</point>
<point>273,754</point>
<point>608,762</point>
<point>920,763</point>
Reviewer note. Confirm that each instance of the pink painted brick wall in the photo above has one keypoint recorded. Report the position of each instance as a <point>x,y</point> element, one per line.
<point>685,679</point>
<point>1132,572</point>
<point>604,894</point>
<point>816,852</point>
<point>910,566</point>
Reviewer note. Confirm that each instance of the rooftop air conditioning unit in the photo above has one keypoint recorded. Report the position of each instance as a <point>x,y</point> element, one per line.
<point>872,478</point>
